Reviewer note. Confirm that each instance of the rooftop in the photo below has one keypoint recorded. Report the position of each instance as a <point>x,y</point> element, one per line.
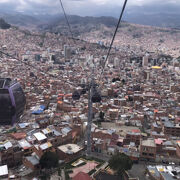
<point>3,170</point>
<point>168,172</point>
<point>149,142</point>
<point>45,145</point>
<point>24,144</point>
<point>70,148</point>
<point>40,136</point>
<point>33,160</point>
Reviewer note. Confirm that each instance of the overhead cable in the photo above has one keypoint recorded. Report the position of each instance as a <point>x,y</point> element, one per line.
<point>67,21</point>
<point>118,24</point>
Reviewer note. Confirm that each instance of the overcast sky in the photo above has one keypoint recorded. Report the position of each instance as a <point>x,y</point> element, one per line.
<point>83,7</point>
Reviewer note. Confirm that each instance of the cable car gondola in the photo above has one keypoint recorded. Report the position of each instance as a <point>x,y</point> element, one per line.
<point>76,95</point>
<point>12,101</point>
<point>96,97</point>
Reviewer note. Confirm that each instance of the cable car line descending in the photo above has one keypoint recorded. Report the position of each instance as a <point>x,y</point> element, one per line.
<point>118,24</point>
<point>94,96</point>
<point>67,21</point>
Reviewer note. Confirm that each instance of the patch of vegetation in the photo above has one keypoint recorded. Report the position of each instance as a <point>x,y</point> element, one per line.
<point>120,162</point>
<point>13,130</point>
<point>49,160</point>
<point>44,177</point>
<point>3,24</point>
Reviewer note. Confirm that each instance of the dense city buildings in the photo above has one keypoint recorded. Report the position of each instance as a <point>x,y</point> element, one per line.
<point>139,111</point>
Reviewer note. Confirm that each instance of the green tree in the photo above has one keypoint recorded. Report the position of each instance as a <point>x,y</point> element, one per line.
<point>49,160</point>
<point>120,162</point>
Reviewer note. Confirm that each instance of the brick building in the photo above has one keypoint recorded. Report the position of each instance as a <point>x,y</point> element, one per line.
<point>41,149</point>
<point>171,129</point>
<point>10,155</point>
<point>133,136</point>
<point>148,149</point>
<point>69,151</point>
<point>31,162</point>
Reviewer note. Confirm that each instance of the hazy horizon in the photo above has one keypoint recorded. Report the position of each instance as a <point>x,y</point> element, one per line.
<point>90,7</point>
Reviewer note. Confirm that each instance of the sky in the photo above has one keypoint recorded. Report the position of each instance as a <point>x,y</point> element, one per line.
<point>87,7</point>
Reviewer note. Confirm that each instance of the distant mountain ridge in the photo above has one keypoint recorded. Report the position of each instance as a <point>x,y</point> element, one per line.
<point>80,25</point>
<point>47,21</point>
<point>19,19</point>
<point>74,19</point>
<point>156,19</point>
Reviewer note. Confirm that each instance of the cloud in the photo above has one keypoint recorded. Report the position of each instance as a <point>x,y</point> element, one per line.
<point>81,7</point>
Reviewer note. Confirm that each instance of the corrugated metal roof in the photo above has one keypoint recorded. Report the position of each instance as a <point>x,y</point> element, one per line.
<point>32,159</point>
<point>3,170</point>
<point>56,133</point>
<point>24,144</point>
<point>46,131</point>
<point>45,145</point>
<point>6,144</point>
<point>66,130</point>
<point>39,136</point>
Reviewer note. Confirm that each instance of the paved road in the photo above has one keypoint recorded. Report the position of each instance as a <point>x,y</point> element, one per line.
<point>138,170</point>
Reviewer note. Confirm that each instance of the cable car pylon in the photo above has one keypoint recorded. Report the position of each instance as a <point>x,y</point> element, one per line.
<point>93,97</point>
<point>90,111</point>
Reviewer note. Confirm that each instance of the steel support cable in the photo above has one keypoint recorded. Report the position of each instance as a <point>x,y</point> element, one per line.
<point>67,21</point>
<point>109,50</point>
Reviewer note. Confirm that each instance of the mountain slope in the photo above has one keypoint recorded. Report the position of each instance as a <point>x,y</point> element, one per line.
<point>20,19</point>
<point>157,19</point>
<point>3,24</point>
<point>136,15</point>
<point>78,24</point>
